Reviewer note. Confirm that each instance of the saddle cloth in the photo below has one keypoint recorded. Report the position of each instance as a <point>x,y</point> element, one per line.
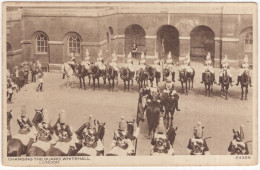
<point>43,145</point>
<point>118,151</point>
<point>63,146</point>
<point>88,150</point>
<point>23,138</point>
<point>170,152</point>
<point>100,146</point>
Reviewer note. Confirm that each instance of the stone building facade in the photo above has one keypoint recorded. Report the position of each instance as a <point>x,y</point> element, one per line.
<point>54,34</point>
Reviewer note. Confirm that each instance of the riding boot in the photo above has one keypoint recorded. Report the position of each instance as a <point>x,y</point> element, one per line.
<point>250,82</point>
<point>202,79</point>
<point>179,77</point>
<point>177,105</point>
<point>230,81</point>
<point>31,141</point>
<point>238,80</point>
<point>220,80</point>
<point>173,76</point>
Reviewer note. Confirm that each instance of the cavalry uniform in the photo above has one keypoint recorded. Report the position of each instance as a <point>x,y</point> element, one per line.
<point>129,63</point>
<point>26,70</point>
<point>40,81</point>
<point>100,62</point>
<point>10,85</point>
<point>89,126</point>
<point>197,145</point>
<point>225,68</point>
<point>208,68</point>
<point>113,62</point>
<point>122,139</point>
<point>134,50</point>
<point>156,64</point>
<point>45,131</point>
<point>86,63</point>
<point>237,145</point>
<point>244,68</point>
<point>169,65</point>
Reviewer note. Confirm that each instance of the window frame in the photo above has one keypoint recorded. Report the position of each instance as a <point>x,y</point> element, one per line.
<point>248,42</point>
<point>41,42</point>
<point>74,44</point>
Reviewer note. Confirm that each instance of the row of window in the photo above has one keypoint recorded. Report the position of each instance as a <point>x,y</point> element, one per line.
<point>74,42</point>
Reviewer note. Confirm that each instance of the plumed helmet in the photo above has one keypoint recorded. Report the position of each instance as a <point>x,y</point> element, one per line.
<point>122,125</point>
<point>198,130</point>
<point>62,116</point>
<point>208,57</point>
<point>169,56</point>
<point>87,53</point>
<point>169,61</point>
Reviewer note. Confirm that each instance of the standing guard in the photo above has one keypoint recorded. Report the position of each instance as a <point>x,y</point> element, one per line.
<point>134,50</point>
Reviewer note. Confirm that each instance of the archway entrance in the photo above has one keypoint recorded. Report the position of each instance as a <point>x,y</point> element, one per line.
<point>135,34</point>
<point>168,41</point>
<point>201,42</point>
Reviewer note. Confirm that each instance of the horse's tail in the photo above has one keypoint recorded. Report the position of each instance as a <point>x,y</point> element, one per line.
<point>14,147</point>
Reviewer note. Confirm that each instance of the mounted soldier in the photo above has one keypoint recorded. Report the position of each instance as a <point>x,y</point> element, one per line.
<point>130,63</point>
<point>86,63</point>
<point>225,68</point>
<point>208,68</point>
<point>186,65</point>
<point>169,66</point>
<point>89,125</point>
<point>100,61</point>
<point>113,62</point>
<point>197,145</point>
<point>45,131</point>
<point>160,143</point>
<point>157,65</point>
<point>238,146</point>
<point>244,68</point>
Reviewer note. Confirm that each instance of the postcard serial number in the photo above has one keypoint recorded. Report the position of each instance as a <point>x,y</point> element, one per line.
<point>243,157</point>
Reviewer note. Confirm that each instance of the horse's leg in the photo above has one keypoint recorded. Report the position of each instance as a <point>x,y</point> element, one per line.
<point>84,83</point>
<point>242,92</point>
<point>186,88</point>
<point>98,82</point>
<point>109,84</point>
<point>205,89</point>
<point>94,83</point>
<point>246,92</point>
<point>128,85</point>
<point>89,78</point>
<point>182,88</point>
<point>80,83</point>
<point>172,113</point>
<point>125,85</point>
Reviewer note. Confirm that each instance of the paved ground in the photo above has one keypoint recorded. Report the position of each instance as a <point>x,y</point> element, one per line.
<point>217,115</point>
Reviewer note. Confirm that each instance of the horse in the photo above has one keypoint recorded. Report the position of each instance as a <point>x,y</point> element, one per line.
<point>244,84</point>
<point>168,101</point>
<point>96,74</point>
<point>153,114</point>
<point>171,134</point>
<point>167,72</point>
<point>69,72</point>
<point>152,74</point>
<point>225,83</point>
<point>9,117</point>
<point>82,72</point>
<point>15,146</point>
<point>141,104</point>
<point>208,82</point>
<point>112,75</point>
<point>142,77</point>
<point>127,76</point>
<point>185,78</point>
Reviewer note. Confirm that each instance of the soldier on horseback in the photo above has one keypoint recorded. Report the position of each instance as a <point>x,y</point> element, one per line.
<point>169,66</point>
<point>142,63</point>
<point>197,145</point>
<point>86,63</point>
<point>244,68</point>
<point>130,63</point>
<point>24,122</point>
<point>122,139</point>
<point>225,68</point>
<point>113,62</point>
<point>100,61</point>
<point>45,131</point>
<point>169,92</point>
<point>237,145</point>
<point>134,50</point>
<point>185,66</point>
<point>208,68</point>
<point>156,63</point>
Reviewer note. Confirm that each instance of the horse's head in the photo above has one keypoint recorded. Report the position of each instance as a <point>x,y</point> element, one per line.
<point>101,130</point>
<point>130,127</point>
<point>151,72</point>
<point>208,77</point>
<point>236,135</point>
<point>245,77</point>
<point>171,134</point>
<point>183,74</point>
<point>124,72</point>
<point>38,117</point>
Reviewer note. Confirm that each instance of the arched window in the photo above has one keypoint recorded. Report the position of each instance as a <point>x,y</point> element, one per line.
<point>74,43</point>
<point>248,42</point>
<point>41,43</point>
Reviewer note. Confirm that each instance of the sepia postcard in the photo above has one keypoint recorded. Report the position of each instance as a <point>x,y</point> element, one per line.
<point>129,84</point>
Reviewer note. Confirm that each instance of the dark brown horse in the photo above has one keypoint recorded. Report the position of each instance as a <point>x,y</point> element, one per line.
<point>244,84</point>
<point>153,114</point>
<point>152,74</point>
<point>225,84</point>
<point>167,72</point>
<point>168,101</point>
<point>96,74</point>
<point>82,72</point>
<point>208,82</point>
<point>185,78</point>
<point>15,146</point>
<point>142,77</point>
<point>112,75</point>
<point>127,76</point>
